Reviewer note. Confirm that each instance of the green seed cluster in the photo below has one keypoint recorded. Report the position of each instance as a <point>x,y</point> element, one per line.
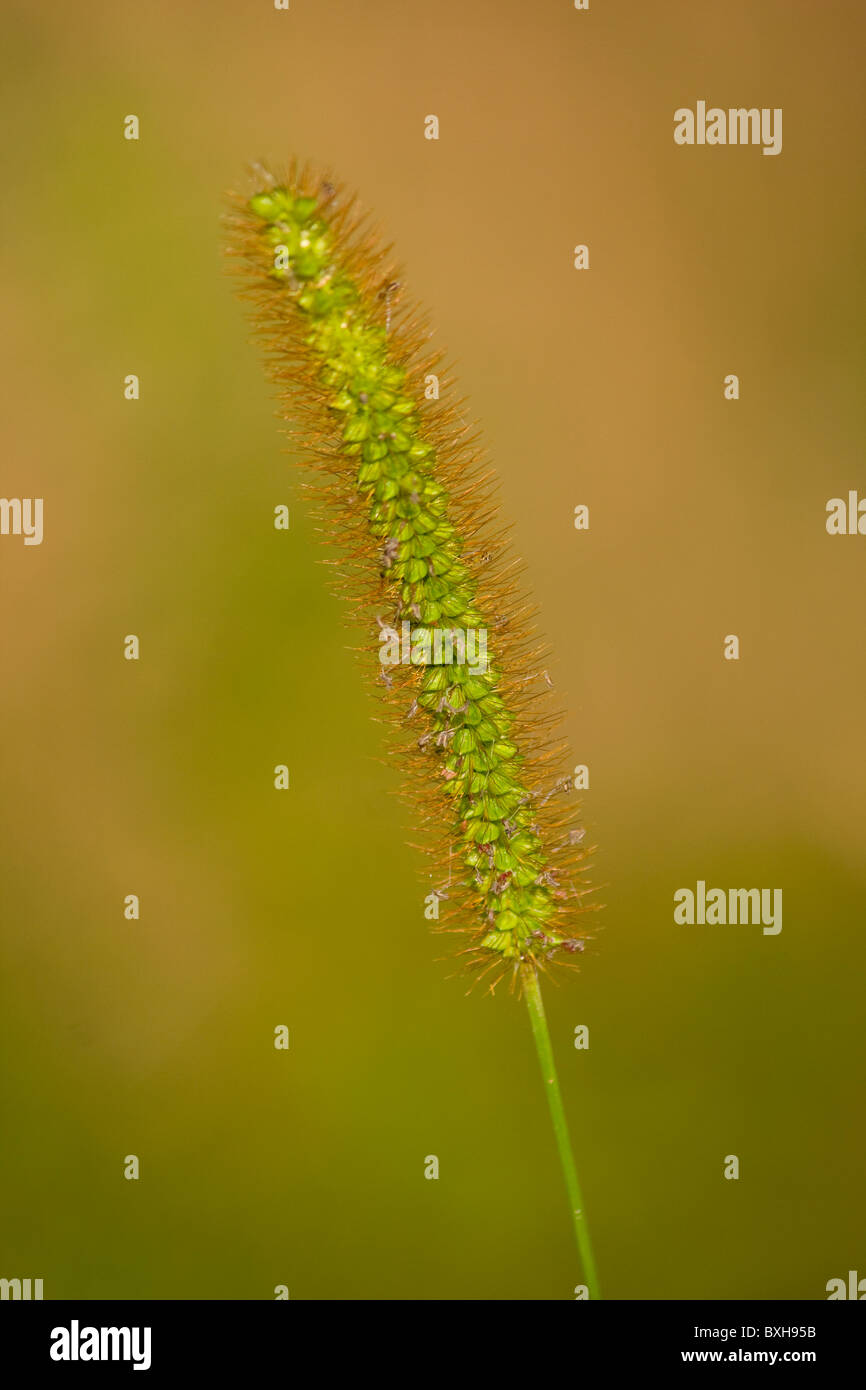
<point>469,729</point>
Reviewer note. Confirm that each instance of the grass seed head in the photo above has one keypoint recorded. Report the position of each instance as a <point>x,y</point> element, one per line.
<point>409,499</point>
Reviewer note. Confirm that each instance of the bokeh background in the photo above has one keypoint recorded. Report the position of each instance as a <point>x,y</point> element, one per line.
<point>306,908</point>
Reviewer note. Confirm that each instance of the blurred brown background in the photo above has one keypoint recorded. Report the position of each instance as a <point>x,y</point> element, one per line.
<point>707,517</point>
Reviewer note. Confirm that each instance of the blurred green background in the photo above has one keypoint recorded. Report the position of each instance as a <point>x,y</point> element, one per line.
<point>306,908</point>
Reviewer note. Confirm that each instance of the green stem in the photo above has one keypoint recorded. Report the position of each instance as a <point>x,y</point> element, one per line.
<point>541,1034</point>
